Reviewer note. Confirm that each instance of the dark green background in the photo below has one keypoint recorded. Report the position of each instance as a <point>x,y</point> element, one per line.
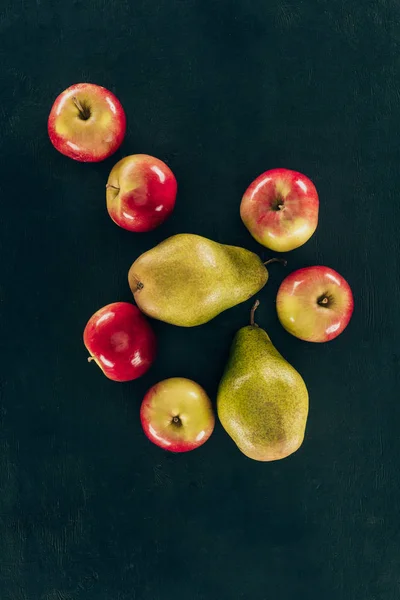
<point>220,90</point>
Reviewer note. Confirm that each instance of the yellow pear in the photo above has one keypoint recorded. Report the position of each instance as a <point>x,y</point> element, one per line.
<point>188,280</point>
<point>262,400</point>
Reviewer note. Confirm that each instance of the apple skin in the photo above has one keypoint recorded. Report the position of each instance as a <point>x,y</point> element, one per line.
<point>121,341</point>
<point>89,139</point>
<point>140,192</point>
<point>280,209</point>
<point>315,304</point>
<point>176,414</point>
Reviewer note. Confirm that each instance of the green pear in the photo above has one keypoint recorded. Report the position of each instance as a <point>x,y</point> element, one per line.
<point>262,400</point>
<point>188,280</point>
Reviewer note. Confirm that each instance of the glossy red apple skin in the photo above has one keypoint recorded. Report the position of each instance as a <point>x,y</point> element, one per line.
<point>182,400</point>
<point>315,304</point>
<point>280,209</point>
<point>121,341</point>
<point>140,192</point>
<point>89,139</point>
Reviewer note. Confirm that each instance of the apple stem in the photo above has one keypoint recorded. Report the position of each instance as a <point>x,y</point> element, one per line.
<point>84,112</point>
<point>112,187</point>
<point>252,313</point>
<point>273,260</point>
<point>90,359</point>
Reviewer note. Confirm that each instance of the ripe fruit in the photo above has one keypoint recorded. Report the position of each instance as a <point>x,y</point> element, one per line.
<point>188,280</point>
<point>121,341</point>
<point>176,414</point>
<point>280,209</point>
<point>141,192</point>
<point>262,400</point>
<point>315,304</point>
<point>87,123</point>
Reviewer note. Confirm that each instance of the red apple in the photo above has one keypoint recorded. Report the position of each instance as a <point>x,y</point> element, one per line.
<point>315,304</point>
<point>140,192</point>
<point>87,123</point>
<point>177,415</point>
<point>121,341</point>
<point>280,209</point>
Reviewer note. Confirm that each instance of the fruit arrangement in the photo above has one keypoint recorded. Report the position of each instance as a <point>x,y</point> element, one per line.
<point>187,280</point>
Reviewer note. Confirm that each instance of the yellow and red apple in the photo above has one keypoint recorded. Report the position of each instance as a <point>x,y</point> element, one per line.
<point>280,209</point>
<point>140,192</point>
<point>121,341</point>
<point>176,414</point>
<point>87,123</point>
<point>315,304</point>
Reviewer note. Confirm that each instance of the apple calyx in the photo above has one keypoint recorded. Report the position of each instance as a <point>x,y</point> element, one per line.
<point>278,204</point>
<point>176,421</point>
<point>83,109</point>
<point>252,313</point>
<point>325,301</point>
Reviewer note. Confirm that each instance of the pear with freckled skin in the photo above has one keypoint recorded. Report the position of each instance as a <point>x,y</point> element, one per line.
<point>262,400</point>
<point>188,280</point>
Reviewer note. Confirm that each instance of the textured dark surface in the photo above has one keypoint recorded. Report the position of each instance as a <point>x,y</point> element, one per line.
<point>220,90</point>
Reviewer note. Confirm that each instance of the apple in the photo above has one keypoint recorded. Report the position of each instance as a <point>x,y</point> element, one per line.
<point>87,123</point>
<point>315,304</point>
<point>140,192</point>
<point>176,414</point>
<point>121,341</point>
<point>280,209</point>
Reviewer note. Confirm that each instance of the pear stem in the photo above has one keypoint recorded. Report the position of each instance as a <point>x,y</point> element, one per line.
<point>252,313</point>
<point>273,260</point>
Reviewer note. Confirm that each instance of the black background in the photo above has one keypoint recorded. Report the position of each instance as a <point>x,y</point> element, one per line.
<point>222,91</point>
